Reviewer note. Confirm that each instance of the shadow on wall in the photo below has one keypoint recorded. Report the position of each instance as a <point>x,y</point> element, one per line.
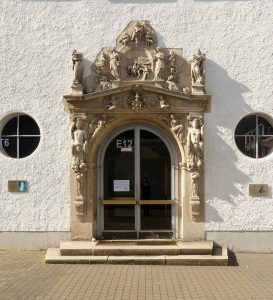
<point>225,181</point>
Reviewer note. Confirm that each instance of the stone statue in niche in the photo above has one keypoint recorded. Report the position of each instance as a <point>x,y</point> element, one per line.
<point>114,64</point>
<point>195,144</point>
<point>197,70</point>
<point>137,103</point>
<point>159,65</point>
<point>77,67</point>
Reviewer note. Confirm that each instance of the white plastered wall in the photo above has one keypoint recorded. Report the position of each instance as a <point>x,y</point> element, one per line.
<point>37,38</point>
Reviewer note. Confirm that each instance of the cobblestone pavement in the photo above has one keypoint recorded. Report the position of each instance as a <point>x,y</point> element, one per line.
<point>23,275</point>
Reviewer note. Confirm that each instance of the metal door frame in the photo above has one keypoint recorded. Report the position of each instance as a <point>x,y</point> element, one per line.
<point>174,177</point>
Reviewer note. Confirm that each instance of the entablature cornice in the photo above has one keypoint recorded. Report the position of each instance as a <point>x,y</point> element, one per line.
<point>124,100</point>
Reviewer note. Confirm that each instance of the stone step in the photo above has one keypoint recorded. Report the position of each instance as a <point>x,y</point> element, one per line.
<point>53,256</point>
<point>139,247</point>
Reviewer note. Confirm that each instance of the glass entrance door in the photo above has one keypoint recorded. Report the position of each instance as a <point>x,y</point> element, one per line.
<point>137,186</point>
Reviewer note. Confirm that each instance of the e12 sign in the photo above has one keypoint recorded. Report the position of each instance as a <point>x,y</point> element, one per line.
<point>125,145</point>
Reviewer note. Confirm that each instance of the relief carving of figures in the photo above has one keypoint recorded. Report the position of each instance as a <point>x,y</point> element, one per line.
<point>139,68</point>
<point>114,64</point>
<point>77,67</point>
<point>176,126</point>
<point>159,65</point>
<point>159,101</point>
<point>137,103</point>
<point>195,144</point>
<point>97,124</point>
<point>197,70</point>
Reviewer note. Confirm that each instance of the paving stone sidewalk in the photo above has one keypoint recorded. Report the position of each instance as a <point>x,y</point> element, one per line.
<point>23,275</point>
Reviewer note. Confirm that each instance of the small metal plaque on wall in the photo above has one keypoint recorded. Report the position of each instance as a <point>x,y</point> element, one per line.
<point>17,186</point>
<point>258,190</point>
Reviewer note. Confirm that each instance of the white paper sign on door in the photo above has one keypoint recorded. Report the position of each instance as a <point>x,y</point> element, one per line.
<point>121,185</point>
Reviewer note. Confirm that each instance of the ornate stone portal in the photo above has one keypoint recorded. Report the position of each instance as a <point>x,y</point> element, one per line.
<point>137,82</point>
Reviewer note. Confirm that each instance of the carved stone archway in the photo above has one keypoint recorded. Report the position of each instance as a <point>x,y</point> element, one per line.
<point>138,82</point>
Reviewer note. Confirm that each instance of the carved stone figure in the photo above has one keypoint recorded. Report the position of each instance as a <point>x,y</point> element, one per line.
<point>79,141</point>
<point>137,103</point>
<point>197,71</point>
<point>77,67</point>
<point>195,144</point>
<point>79,148</point>
<point>159,65</point>
<point>138,33</point>
<point>125,40</point>
<point>172,58</point>
<point>80,170</point>
<point>97,124</point>
<point>114,64</point>
<point>171,80</point>
<point>163,103</point>
<point>112,103</point>
<point>195,180</point>
<point>177,128</point>
<point>149,39</point>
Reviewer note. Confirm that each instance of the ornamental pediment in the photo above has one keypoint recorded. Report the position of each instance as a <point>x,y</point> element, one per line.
<point>138,98</point>
<point>137,59</point>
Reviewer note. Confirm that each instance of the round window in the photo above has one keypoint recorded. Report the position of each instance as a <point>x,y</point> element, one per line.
<point>20,136</point>
<point>254,135</point>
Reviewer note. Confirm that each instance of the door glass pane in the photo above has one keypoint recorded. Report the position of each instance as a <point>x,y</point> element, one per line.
<point>155,173</point>
<point>119,182</point>
<point>155,168</point>
<point>119,170</point>
<point>156,217</point>
<point>119,217</point>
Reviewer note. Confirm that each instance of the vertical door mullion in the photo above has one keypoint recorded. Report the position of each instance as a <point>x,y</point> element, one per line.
<point>137,179</point>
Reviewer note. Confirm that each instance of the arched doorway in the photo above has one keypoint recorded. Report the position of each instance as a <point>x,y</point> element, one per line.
<point>137,186</point>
